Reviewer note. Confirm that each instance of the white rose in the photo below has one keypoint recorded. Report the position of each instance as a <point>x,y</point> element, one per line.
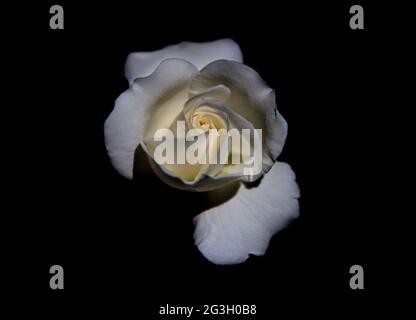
<point>171,84</point>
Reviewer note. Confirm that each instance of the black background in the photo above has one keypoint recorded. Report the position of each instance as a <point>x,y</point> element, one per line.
<point>126,246</point>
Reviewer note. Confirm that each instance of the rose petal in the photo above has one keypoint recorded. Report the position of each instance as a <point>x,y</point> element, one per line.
<point>157,98</point>
<point>211,100</point>
<point>217,93</point>
<point>141,64</point>
<point>186,172</point>
<point>251,98</point>
<point>205,183</point>
<point>227,234</point>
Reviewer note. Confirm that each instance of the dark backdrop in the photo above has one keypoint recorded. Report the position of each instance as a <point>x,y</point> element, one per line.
<point>126,246</point>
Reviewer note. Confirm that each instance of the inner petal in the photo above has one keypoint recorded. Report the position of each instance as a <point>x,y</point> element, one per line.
<point>209,116</point>
<point>203,121</point>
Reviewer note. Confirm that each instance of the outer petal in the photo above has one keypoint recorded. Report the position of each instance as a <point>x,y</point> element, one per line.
<point>141,64</point>
<point>227,234</point>
<point>251,98</point>
<point>140,105</point>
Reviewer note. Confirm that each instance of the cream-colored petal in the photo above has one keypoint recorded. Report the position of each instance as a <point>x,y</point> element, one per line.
<point>244,225</point>
<point>156,98</point>
<point>251,98</point>
<point>204,183</point>
<point>215,94</point>
<point>208,105</point>
<point>141,64</point>
<point>185,172</point>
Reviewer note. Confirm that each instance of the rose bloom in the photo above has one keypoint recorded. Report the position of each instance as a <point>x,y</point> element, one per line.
<point>208,86</point>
